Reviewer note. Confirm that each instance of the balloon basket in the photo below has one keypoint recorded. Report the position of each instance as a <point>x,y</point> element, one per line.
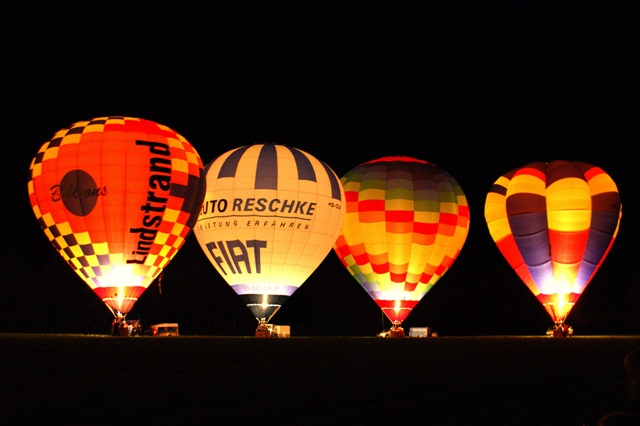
<point>263,329</point>
<point>390,334</point>
<point>560,330</point>
<point>395,331</point>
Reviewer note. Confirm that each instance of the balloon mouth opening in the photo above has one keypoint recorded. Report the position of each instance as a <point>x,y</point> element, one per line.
<point>119,306</point>
<point>116,299</point>
<point>263,311</point>
<point>559,309</point>
<point>397,314</point>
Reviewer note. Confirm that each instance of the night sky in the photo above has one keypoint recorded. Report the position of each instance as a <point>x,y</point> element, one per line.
<point>477,88</point>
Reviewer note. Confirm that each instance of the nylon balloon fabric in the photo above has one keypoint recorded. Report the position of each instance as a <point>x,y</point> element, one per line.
<point>406,223</point>
<point>117,197</point>
<point>271,215</point>
<point>554,223</point>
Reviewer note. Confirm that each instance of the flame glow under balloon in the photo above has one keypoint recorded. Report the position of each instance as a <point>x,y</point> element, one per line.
<point>555,224</point>
<point>405,224</point>
<point>270,216</point>
<point>117,197</point>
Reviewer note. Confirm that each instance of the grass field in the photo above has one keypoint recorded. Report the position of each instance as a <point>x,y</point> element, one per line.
<point>89,379</point>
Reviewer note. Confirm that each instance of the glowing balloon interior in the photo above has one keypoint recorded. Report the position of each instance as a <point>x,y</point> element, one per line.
<point>117,197</point>
<point>405,224</point>
<point>270,216</point>
<point>555,224</point>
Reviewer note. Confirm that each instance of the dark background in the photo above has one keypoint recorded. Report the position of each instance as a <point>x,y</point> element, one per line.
<point>478,88</point>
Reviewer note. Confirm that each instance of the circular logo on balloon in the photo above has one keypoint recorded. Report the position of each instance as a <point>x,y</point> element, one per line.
<point>79,192</point>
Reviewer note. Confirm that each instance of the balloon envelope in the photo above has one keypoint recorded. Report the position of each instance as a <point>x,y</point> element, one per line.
<point>117,197</point>
<point>554,223</point>
<point>406,222</point>
<point>270,216</point>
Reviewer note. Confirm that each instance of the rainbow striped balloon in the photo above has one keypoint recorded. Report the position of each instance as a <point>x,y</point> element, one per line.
<point>554,223</point>
<point>405,224</point>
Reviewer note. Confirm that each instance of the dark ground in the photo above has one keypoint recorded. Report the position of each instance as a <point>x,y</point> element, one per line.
<point>93,379</point>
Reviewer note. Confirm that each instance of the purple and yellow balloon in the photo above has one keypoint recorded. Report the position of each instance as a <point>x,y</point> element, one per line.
<point>554,223</point>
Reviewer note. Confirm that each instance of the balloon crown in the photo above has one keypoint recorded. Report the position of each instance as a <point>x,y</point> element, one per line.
<point>393,158</point>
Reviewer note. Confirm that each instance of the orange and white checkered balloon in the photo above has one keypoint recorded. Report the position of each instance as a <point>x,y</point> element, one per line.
<point>117,197</point>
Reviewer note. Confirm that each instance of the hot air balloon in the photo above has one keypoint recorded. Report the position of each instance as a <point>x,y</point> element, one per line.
<point>117,197</point>
<point>554,223</point>
<point>270,216</point>
<point>405,224</point>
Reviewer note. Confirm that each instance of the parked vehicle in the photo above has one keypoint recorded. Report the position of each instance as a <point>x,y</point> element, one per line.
<point>165,329</point>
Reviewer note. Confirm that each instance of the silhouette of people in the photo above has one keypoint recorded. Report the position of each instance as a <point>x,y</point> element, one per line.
<point>630,413</point>
<point>619,418</point>
<point>632,368</point>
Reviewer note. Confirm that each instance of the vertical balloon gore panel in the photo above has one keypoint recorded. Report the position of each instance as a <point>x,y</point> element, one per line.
<point>117,197</point>
<point>406,222</point>
<point>554,223</point>
<point>270,216</point>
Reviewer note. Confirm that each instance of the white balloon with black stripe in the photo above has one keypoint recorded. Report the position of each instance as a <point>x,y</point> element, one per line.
<point>271,215</point>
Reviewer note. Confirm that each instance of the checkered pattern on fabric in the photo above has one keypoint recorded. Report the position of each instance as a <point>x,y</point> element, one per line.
<point>88,186</point>
<point>405,224</point>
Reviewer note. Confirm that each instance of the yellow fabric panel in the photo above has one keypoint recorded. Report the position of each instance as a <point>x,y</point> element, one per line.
<point>569,205</point>
<point>526,183</point>
<point>427,216</point>
<point>399,204</point>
